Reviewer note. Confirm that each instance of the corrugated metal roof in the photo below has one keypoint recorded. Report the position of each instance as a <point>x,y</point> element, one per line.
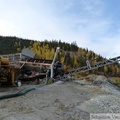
<point>28,52</point>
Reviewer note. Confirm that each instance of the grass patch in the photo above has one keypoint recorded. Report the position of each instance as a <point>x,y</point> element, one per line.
<point>116,80</point>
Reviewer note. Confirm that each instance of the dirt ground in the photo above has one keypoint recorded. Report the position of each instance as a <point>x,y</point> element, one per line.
<point>71,100</point>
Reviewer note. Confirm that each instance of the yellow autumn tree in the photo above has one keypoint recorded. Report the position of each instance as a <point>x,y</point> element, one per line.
<point>75,62</point>
<point>105,69</point>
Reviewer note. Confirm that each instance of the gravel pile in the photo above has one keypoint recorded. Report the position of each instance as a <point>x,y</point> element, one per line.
<point>104,83</point>
<point>102,104</point>
<point>64,101</point>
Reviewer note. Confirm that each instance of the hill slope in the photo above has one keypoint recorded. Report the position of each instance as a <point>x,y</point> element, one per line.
<point>71,55</point>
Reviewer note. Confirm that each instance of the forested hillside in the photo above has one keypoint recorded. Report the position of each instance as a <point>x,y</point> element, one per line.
<point>70,55</point>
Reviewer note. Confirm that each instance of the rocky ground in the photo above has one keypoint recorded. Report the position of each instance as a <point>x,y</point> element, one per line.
<point>71,100</point>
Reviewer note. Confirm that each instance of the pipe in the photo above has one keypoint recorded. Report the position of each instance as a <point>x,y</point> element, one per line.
<point>20,93</point>
<point>24,91</point>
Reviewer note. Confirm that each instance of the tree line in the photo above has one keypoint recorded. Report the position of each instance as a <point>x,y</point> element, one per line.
<point>70,55</point>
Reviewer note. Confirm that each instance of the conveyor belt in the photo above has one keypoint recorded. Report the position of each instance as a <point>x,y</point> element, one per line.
<point>95,66</point>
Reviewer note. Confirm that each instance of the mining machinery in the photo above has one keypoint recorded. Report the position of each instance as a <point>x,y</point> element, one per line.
<point>12,72</point>
<point>8,73</point>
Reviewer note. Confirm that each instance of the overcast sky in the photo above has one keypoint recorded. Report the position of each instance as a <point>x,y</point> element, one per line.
<point>93,24</point>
